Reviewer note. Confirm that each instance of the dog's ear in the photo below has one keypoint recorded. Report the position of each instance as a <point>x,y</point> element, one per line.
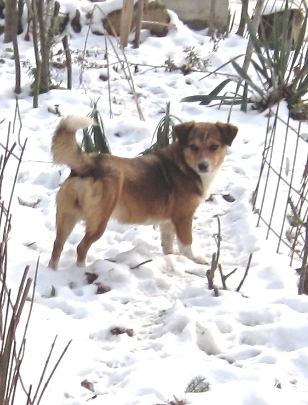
<point>182,130</point>
<point>228,132</point>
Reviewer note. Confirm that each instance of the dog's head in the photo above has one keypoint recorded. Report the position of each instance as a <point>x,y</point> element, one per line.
<point>205,144</point>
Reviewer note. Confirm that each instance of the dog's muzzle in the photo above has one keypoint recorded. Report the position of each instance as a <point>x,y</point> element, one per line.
<point>203,167</point>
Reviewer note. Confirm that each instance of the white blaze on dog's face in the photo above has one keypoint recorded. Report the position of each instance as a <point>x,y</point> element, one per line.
<point>205,144</point>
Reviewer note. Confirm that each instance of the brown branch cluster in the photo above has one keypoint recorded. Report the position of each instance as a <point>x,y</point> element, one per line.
<point>210,274</point>
<point>14,313</point>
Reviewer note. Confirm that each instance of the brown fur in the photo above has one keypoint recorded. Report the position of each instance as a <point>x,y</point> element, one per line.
<point>165,187</point>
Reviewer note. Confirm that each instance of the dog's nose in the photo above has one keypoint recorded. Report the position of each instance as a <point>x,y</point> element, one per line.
<point>203,167</point>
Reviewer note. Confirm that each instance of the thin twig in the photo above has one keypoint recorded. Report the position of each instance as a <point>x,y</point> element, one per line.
<point>223,278</point>
<point>108,73</point>
<point>53,371</point>
<point>83,55</point>
<point>128,76</point>
<point>211,273</point>
<point>304,267</point>
<point>142,263</point>
<point>245,274</point>
<point>17,112</point>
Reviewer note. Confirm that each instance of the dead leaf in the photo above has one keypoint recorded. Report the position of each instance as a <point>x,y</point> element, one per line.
<point>91,277</point>
<point>228,197</point>
<point>88,385</point>
<point>101,288</point>
<point>119,331</point>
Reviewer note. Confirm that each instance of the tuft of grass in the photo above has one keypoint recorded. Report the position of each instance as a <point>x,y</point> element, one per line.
<point>198,384</point>
<point>164,133</point>
<point>94,137</point>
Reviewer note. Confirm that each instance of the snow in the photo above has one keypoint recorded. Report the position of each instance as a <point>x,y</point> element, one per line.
<point>250,346</point>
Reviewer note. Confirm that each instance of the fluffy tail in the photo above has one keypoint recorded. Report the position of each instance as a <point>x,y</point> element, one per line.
<point>64,147</point>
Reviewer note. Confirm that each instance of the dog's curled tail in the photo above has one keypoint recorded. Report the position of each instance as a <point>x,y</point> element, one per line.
<point>64,147</point>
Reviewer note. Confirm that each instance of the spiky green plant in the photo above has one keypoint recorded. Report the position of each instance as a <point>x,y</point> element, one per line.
<point>281,67</point>
<point>164,133</point>
<point>94,137</point>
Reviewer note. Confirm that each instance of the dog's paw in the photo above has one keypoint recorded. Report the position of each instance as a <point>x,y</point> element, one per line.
<point>187,252</point>
<point>53,265</point>
<point>168,251</point>
<point>200,259</point>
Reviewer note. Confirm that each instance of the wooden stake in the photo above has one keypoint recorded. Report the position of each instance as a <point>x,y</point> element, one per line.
<point>138,23</point>
<point>126,21</point>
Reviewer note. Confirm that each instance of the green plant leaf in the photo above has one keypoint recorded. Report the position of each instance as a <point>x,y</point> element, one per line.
<point>207,99</point>
<point>220,67</point>
<point>247,79</point>
<point>299,45</point>
<point>94,137</point>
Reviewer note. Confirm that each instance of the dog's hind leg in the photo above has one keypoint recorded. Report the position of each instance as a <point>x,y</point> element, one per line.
<point>65,223</point>
<point>89,238</point>
<point>97,211</point>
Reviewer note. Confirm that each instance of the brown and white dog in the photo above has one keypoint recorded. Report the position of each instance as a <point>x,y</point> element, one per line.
<point>164,187</point>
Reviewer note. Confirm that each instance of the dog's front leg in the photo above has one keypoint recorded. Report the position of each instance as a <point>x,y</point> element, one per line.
<point>183,228</point>
<point>167,235</point>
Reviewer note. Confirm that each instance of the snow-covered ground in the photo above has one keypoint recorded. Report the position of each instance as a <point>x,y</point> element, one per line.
<point>159,326</point>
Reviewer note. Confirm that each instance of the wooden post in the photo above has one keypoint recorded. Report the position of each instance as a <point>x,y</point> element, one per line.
<point>242,25</point>
<point>256,21</point>
<point>138,23</point>
<point>212,18</point>
<point>126,21</point>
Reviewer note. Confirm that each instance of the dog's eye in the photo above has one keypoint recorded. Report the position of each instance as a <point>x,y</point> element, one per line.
<point>213,147</point>
<point>194,148</point>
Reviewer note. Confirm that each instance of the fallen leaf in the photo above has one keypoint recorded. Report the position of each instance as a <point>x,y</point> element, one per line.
<point>91,277</point>
<point>88,385</point>
<point>228,197</point>
<point>101,288</point>
<point>119,331</point>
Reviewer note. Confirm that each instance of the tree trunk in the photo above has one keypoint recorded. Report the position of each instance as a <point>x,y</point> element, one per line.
<point>242,25</point>
<point>10,23</point>
<point>20,10</point>
<point>138,23</point>
<point>37,74</point>
<point>44,48</point>
<point>17,89</point>
<point>68,61</point>
<point>10,35</point>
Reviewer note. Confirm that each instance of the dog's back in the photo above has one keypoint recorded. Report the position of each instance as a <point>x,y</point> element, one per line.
<point>147,188</point>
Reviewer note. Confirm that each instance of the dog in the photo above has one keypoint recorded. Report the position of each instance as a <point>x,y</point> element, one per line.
<point>163,187</point>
